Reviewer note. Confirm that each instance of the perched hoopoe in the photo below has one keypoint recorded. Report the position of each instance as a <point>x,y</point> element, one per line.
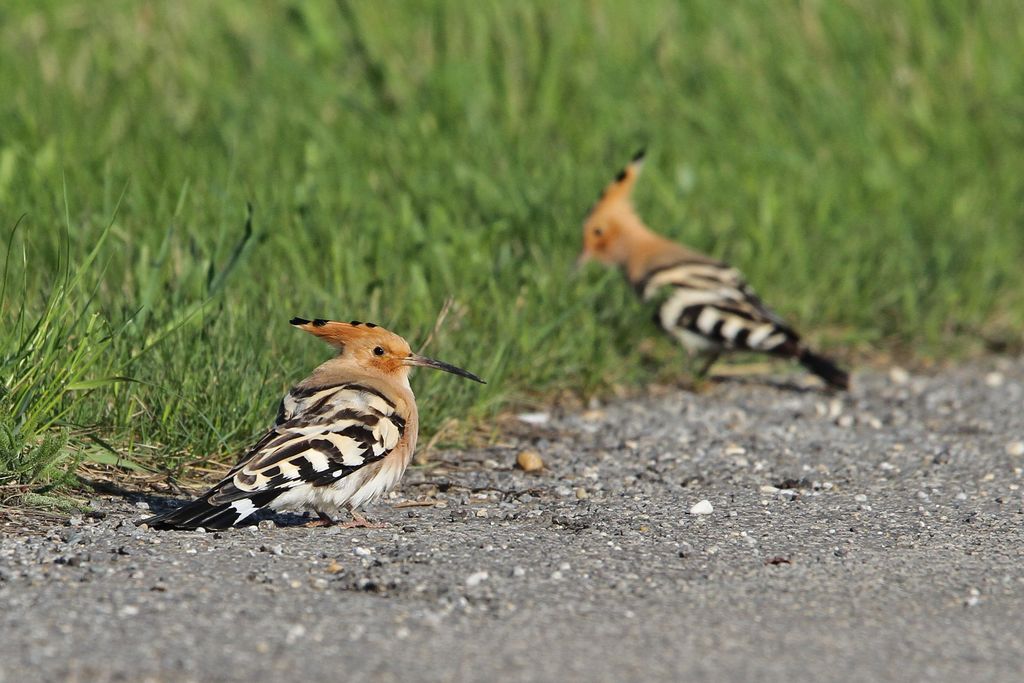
<point>705,304</point>
<point>343,436</point>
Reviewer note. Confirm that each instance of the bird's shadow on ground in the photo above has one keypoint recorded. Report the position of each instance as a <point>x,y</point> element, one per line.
<point>769,383</point>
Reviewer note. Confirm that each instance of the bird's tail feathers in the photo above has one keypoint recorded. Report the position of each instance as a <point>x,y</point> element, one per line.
<point>201,513</point>
<point>833,375</point>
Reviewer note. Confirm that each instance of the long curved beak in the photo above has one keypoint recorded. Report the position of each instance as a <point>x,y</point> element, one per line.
<point>423,361</point>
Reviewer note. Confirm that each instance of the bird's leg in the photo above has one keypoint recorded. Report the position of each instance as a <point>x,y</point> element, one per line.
<point>323,520</point>
<point>710,359</point>
<point>360,522</point>
<point>700,378</point>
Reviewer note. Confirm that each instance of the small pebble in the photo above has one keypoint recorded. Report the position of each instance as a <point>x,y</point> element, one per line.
<point>476,578</point>
<point>529,461</point>
<point>1015,448</point>
<point>704,507</point>
<point>994,379</point>
<point>898,375</point>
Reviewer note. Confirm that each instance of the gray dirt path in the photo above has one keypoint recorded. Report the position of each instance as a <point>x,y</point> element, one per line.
<point>875,536</point>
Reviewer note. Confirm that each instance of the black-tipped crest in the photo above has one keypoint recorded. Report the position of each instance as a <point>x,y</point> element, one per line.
<point>320,322</point>
<point>298,321</point>
<point>639,156</point>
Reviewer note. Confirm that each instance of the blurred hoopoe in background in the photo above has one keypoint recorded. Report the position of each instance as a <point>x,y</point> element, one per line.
<point>343,436</point>
<point>705,304</point>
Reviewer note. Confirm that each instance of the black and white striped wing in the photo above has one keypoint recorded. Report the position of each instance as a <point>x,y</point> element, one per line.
<point>710,307</point>
<point>322,435</point>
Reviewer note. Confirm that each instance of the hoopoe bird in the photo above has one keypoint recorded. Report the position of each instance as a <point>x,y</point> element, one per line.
<point>705,304</point>
<point>342,438</point>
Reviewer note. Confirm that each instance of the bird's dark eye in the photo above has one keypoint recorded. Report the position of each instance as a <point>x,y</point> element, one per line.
<point>378,351</point>
<point>598,232</point>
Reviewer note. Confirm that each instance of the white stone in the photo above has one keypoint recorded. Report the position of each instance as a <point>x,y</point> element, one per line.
<point>476,578</point>
<point>704,507</point>
<point>995,379</point>
<point>898,375</point>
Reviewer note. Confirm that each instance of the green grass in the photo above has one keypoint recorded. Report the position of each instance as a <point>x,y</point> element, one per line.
<point>860,161</point>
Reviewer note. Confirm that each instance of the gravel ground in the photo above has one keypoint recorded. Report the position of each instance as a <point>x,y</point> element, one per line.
<point>874,536</point>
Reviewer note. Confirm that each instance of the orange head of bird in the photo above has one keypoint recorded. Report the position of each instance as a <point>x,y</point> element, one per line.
<point>369,348</point>
<point>607,226</point>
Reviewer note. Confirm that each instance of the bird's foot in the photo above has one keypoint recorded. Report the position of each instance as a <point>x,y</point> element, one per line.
<point>701,385</point>
<point>322,520</point>
<point>360,522</point>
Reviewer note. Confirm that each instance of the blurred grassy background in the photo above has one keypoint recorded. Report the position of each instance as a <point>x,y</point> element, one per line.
<point>860,161</point>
